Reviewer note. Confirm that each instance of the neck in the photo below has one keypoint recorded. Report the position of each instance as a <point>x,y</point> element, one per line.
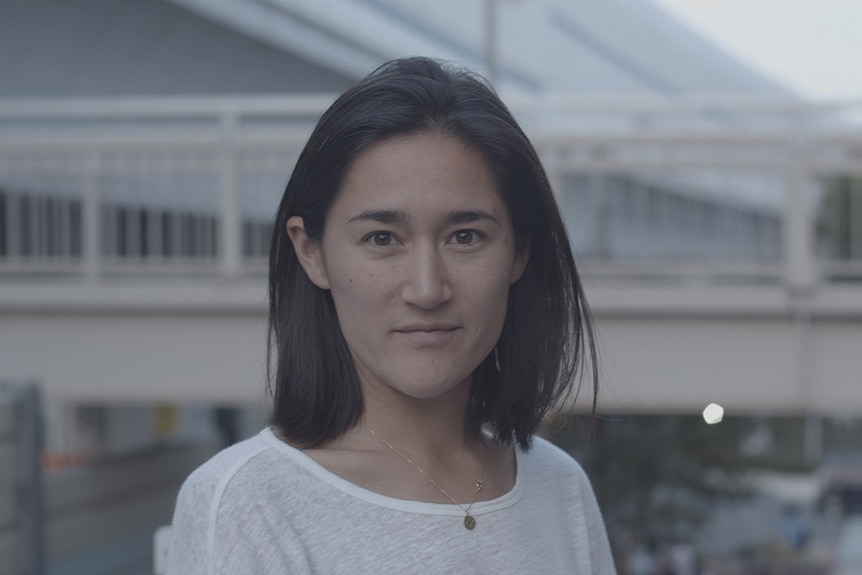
<point>434,427</point>
<point>428,434</point>
<point>433,433</point>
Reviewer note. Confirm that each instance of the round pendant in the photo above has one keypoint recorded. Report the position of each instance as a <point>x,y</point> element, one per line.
<point>469,522</point>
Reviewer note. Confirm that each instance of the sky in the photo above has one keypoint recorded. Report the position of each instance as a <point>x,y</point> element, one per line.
<point>814,47</point>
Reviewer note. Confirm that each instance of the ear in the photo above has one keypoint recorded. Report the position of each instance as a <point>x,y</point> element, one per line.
<point>308,252</point>
<point>522,256</point>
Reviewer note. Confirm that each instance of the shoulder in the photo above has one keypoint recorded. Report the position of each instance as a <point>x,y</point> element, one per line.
<point>555,470</point>
<point>235,484</point>
<point>227,463</point>
<point>545,457</point>
<point>559,485</point>
<point>237,470</point>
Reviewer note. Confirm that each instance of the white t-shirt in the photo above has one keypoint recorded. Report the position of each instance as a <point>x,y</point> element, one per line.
<point>264,507</point>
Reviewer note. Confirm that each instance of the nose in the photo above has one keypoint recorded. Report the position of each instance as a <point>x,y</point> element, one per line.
<point>426,283</point>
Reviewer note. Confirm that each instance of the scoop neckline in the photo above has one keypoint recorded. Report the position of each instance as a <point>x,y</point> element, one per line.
<point>343,485</point>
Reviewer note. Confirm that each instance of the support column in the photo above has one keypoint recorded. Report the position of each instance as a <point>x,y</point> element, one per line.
<point>91,224</point>
<point>230,217</point>
<point>800,275</point>
<point>491,40</point>
<point>799,267</point>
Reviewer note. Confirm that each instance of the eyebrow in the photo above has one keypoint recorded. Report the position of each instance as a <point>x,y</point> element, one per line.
<point>381,216</point>
<point>398,216</point>
<point>467,216</point>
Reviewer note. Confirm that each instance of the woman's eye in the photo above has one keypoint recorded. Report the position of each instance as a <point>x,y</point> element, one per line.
<point>466,237</point>
<point>381,239</point>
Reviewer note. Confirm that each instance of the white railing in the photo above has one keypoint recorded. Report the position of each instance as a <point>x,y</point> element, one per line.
<point>729,190</point>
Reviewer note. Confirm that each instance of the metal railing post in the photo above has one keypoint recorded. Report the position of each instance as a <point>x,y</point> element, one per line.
<point>229,229</point>
<point>32,440</point>
<point>799,266</point>
<point>91,218</point>
<point>27,472</point>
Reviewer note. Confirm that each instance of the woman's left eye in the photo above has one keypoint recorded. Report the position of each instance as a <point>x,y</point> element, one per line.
<point>381,239</point>
<point>465,237</point>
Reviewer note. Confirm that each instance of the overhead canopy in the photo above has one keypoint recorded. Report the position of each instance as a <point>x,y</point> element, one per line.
<point>160,47</point>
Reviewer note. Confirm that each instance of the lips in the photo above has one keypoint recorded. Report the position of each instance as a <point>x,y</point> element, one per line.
<point>428,334</point>
<point>427,327</point>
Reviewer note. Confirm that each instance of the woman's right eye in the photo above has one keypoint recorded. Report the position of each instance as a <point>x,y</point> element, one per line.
<point>381,239</point>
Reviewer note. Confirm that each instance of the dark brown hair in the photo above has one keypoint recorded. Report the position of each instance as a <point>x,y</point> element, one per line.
<point>547,330</point>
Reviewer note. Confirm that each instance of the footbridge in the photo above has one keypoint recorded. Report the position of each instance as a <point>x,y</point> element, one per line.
<point>720,241</point>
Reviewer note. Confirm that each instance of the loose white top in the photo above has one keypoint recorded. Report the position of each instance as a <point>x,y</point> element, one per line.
<point>264,507</point>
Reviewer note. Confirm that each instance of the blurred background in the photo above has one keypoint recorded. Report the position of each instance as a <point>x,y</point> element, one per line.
<point>707,156</point>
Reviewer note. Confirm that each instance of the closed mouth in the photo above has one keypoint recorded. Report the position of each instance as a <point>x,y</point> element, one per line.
<point>427,328</point>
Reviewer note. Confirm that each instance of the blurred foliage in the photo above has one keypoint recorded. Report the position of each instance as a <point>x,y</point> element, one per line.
<point>656,477</point>
<point>843,432</point>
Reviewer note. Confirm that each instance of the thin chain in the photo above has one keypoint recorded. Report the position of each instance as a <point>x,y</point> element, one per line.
<point>469,520</point>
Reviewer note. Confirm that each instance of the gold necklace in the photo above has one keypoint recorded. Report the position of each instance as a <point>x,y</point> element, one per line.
<point>469,520</point>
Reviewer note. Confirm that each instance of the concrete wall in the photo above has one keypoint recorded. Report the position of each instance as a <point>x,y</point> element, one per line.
<point>753,349</point>
<point>182,343</point>
<point>749,349</point>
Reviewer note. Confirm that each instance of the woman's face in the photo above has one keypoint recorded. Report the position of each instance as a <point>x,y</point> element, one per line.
<point>419,253</point>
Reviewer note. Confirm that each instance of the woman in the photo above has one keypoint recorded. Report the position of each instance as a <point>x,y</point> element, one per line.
<point>426,314</point>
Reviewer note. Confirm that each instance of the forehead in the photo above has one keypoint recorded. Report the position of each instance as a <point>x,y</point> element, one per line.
<point>418,174</point>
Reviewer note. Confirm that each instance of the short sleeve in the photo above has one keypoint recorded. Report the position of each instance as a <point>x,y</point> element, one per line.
<point>223,525</point>
<point>189,554</point>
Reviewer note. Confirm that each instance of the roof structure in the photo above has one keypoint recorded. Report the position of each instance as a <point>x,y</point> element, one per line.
<point>171,47</point>
<point>568,46</point>
<point>84,48</point>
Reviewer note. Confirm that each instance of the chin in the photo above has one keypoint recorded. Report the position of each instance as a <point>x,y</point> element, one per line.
<point>430,390</point>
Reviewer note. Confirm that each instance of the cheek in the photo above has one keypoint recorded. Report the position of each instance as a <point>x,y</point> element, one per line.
<point>495,276</point>
<point>358,293</point>
<point>489,293</point>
